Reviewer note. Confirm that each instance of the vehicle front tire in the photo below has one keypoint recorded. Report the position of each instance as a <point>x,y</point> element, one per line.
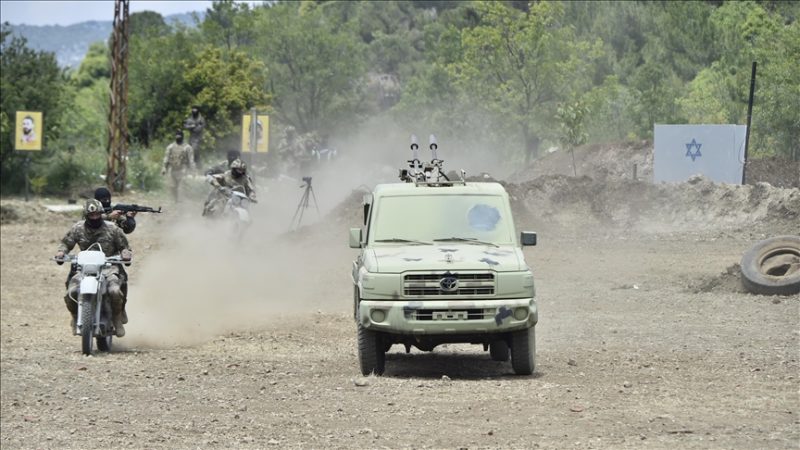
<point>371,354</point>
<point>498,350</point>
<point>523,351</point>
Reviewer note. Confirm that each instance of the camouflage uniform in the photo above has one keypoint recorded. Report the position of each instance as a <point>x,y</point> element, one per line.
<point>195,125</point>
<point>216,199</point>
<point>126,223</point>
<point>112,241</point>
<point>177,160</point>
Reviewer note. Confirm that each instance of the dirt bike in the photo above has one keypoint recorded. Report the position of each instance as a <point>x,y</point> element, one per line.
<point>94,319</point>
<point>237,211</point>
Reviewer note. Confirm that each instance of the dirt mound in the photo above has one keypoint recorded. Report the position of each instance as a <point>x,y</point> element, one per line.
<point>34,211</point>
<point>634,160</point>
<point>728,281</point>
<point>598,161</point>
<point>698,205</point>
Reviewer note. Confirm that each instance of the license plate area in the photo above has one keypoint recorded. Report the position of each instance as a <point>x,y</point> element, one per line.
<point>449,315</point>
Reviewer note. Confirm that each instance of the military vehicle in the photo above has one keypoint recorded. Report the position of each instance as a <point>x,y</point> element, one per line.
<point>441,262</point>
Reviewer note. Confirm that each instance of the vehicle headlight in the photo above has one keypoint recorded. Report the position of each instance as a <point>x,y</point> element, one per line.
<point>377,315</point>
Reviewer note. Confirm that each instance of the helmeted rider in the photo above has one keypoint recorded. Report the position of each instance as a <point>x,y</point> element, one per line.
<point>93,229</point>
<point>232,156</point>
<point>233,179</point>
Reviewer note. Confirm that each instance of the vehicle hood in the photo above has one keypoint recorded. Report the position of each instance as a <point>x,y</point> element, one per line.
<point>396,259</point>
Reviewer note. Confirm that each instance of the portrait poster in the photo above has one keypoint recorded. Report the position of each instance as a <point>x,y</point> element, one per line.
<point>28,131</point>
<point>261,132</point>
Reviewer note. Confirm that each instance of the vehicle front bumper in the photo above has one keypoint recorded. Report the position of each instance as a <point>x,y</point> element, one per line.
<point>436,317</point>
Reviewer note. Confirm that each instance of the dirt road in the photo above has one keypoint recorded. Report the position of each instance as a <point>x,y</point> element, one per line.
<point>643,342</point>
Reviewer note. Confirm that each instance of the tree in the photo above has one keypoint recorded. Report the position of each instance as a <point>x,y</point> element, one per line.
<point>573,134</point>
<point>520,64</point>
<point>229,25</point>
<point>315,68</point>
<point>29,80</point>
<point>226,86</point>
<point>157,97</point>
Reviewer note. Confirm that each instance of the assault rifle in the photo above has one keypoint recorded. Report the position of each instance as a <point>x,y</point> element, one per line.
<point>127,208</point>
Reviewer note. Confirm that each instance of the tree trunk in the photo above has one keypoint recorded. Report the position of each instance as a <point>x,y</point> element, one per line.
<point>532,143</point>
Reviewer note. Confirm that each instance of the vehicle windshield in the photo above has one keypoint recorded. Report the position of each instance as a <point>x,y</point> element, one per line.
<point>442,218</point>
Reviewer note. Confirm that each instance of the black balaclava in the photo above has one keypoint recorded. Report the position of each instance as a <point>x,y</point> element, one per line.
<point>195,112</point>
<point>94,223</point>
<point>237,173</point>
<point>104,196</point>
<point>179,138</point>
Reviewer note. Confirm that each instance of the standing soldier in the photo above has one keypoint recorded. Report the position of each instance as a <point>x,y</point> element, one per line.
<point>178,159</point>
<point>195,123</point>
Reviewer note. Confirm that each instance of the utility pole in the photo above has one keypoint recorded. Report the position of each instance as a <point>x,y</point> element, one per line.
<point>117,148</point>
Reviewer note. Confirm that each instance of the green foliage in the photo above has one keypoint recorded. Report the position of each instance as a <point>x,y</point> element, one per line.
<point>29,81</point>
<point>571,117</point>
<point>229,25</point>
<point>144,168</point>
<point>95,66</point>
<point>520,64</point>
<point>158,97</point>
<point>315,66</point>
<point>226,86</point>
<point>526,74</point>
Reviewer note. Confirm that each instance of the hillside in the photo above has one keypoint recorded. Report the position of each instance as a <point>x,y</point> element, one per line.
<point>70,43</point>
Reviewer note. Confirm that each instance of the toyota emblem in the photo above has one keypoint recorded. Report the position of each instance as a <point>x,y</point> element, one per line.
<point>448,284</point>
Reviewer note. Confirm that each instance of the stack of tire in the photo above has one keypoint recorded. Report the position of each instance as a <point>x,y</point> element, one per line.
<point>772,266</point>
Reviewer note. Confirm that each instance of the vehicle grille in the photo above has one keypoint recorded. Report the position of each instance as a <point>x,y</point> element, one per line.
<point>428,284</point>
<point>461,314</point>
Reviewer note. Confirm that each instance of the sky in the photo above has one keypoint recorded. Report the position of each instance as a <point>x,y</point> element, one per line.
<point>43,12</point>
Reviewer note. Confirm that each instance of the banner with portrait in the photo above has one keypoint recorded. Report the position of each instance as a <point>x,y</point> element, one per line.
<point>28,131</point>
<point>261,133</point>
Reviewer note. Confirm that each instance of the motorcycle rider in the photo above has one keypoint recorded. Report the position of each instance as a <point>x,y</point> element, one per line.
<point>93,229</point>
<point>232,156</point>
<point>234,179</point>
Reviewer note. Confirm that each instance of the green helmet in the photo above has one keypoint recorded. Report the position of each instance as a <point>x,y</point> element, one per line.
<point>238,164</point>
<point>92,206</point>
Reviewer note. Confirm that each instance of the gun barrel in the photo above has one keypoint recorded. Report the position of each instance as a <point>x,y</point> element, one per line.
<point>433,146</point>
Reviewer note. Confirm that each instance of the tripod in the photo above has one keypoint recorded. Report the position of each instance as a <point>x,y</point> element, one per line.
<point>303,205</point>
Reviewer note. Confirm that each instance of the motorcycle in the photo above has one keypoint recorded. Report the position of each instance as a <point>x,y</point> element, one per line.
<point>94,319</point>
<point>236,211</point>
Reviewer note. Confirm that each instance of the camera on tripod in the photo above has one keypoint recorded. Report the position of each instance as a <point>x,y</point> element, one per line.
<point>303,205</point>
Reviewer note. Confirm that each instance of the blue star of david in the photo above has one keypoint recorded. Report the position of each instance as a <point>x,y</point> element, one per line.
<point>696,153</point>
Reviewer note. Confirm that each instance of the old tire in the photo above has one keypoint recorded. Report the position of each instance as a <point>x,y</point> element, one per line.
<point>87,328</point>
<point>523,351</point>
<point>498,350</point>
<point>371,355</point>
<point>772,266</point>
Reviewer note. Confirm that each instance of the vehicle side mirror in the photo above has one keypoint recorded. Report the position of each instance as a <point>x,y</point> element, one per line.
<point>528,238</point>
<point>355,237</point>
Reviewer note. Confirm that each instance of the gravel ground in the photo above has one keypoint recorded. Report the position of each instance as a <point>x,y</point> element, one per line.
<point>254,348</point>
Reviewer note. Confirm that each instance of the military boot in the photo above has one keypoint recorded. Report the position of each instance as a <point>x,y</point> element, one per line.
<point>119,329</point>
